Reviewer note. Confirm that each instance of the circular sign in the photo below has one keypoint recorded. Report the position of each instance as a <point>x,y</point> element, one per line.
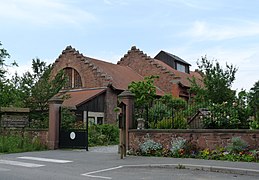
<point>72,135</point>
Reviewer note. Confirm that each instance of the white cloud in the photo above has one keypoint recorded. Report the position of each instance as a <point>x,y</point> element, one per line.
<point>44,12</point>
<point>204,31</point>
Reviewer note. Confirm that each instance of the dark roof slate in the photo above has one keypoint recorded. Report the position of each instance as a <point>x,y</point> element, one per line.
<point>174,57</point>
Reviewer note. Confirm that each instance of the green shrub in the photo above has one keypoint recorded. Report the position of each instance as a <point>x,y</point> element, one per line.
<point>165,124</point>
<point>150,147</point>
<point>254,124</point>
<point>14,144</point>
<point>179,122</point>
<point>68,119</point>
<point>237,145</point>
<point>178,147</point>
<point>105,134</point>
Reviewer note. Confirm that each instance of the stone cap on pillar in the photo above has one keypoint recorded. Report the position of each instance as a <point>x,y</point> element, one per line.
<point>56,100</point>
<point>126,94</point>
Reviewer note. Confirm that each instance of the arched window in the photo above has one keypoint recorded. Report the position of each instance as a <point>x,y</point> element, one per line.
<point>74,79</point>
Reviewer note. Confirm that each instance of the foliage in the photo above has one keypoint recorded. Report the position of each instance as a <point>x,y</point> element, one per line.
<point>157,112</point>
<point>68,119</point>
<point>165,123</point>
<point>217,82</point>
<point>236,151</point>
<point>174,103</point>
<point>3,55</point>
<point>14,144</point>
<point>178,147</point>
<point>163,110</point>
<point>254,99</point>
<point>145,91</point>
<point>38,87</point>
<point>178,122</point>
<point>223,116</point>
<point>254,124</point>
<point>7,89</point>
<point>105,134</point>
<point>237,145</point>
<point>150,147</point>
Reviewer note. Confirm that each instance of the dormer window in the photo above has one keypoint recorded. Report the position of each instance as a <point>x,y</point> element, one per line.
<point>74,79</point>
<point>180,67</point>
<point>174,61</point>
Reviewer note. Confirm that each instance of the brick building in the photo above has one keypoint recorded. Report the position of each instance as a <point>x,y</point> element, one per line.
<point>93,85</point>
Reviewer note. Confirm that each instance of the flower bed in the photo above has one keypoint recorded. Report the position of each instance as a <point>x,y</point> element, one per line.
<point>236,150</point>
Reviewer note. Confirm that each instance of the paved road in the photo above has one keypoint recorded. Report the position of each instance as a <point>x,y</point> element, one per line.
<point>105,163</point>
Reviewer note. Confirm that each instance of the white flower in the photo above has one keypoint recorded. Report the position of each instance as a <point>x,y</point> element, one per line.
<point>225,153</point>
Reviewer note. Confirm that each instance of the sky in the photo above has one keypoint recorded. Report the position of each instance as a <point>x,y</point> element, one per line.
<point>223,30</point>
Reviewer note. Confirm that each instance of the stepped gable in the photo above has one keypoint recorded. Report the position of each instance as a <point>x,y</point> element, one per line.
<point>116,75</point>
<point>152,61</point>
<point>177,76</point>
<point>87,61</point>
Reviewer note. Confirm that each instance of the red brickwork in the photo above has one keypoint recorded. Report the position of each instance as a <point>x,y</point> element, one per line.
<point>146,66</point>
<point>91,75</point>
<point>201,138</point>
<point>110,105</point>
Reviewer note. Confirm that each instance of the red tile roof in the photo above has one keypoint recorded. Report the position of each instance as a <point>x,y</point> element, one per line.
<point>77,97</point>
<point>183,76</point>
<point>121,76</point>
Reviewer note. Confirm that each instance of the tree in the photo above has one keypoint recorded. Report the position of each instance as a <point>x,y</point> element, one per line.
<point>3,55</point>
<point>36,88</point>
<point>7,95</point>
<point>217,82</point>
<point>38,85</point>
<point>254,99</point>
<point>145,91</point>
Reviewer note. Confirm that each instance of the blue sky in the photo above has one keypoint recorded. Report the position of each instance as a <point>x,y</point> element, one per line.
<point>226,30</point>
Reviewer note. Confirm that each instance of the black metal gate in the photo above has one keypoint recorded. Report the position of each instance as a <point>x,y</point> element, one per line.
<point>74,137</point>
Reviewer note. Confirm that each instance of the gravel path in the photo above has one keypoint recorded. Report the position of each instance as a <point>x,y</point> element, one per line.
<point>104,149</point>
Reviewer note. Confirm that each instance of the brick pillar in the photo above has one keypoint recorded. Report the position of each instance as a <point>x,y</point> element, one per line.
<point>175,87</point>
<point>128,99</point>
<point>54,106</point>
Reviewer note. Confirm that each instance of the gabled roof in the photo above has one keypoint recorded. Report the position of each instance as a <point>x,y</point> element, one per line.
<point>118,76</point>
<point>78,97</point>
<point>183,76</point>
<point>121,76</point>
<point>173,57</point>
<point>165,68</point>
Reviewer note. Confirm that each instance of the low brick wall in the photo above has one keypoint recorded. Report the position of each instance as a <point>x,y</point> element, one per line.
<point>42,134</point>
<point>202,138</point>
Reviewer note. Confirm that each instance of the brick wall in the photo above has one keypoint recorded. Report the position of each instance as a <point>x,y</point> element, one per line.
<point>204,138</point>
<point>42,135</point>
<point>110,104</point>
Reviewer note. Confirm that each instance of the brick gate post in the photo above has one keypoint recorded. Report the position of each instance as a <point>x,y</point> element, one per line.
<point>53,135</point>
<point>128,99</point>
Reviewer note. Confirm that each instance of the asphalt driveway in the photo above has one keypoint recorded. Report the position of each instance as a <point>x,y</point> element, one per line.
<point>105,163</point>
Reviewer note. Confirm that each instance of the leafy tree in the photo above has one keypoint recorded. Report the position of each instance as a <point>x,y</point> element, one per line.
<point>254,99</point>
<point>37,87</point>
<point>145,91</point>
<point>3,55</point>
<point>34,89</point>
<point>217,82</point>
<point>7,93</point>
<point>174,103</point>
